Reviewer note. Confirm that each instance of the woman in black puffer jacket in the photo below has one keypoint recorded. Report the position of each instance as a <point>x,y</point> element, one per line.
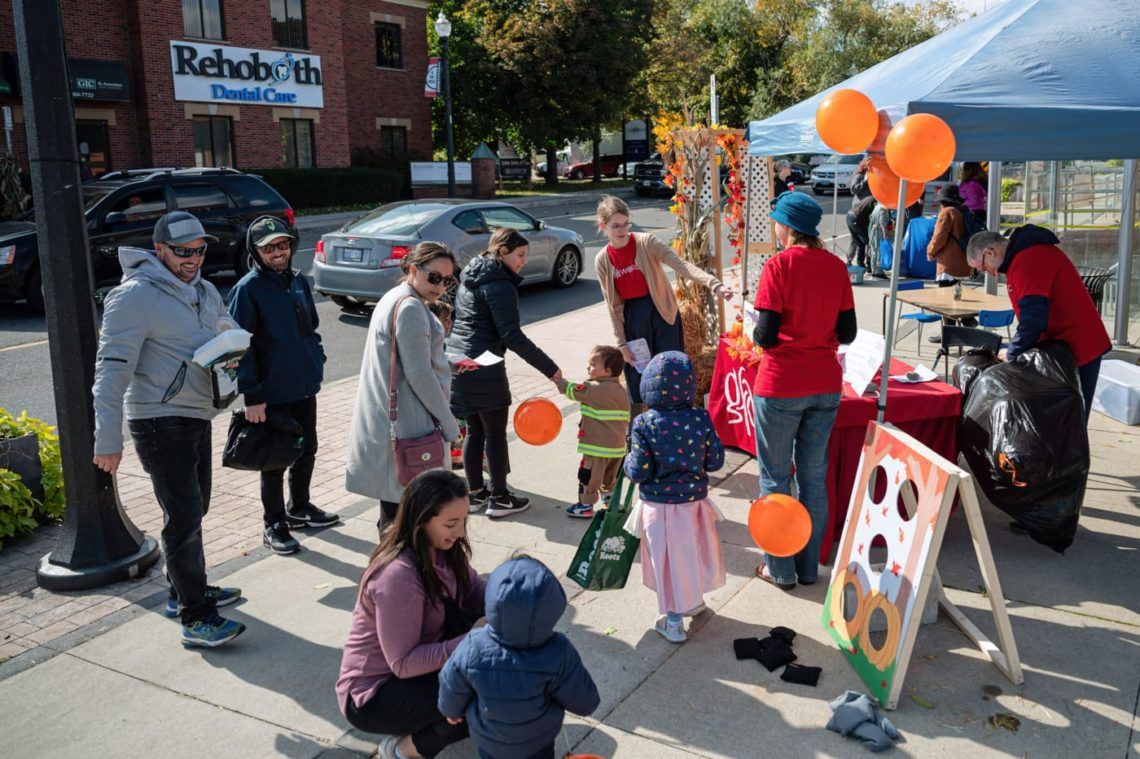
<point>487,319</point>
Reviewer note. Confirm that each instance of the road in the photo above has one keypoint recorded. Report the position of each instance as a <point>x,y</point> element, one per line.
<point>25,363</point>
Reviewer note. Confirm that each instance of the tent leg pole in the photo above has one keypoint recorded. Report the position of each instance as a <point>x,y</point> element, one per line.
<point>900,230</point>
<point>993,214</point>
<point>1124,268</point>
<point>835,211</point>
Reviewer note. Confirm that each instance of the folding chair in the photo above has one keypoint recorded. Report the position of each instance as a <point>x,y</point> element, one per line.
<point>920,317</point>
<point>964,337</point>
<point>997,320</point>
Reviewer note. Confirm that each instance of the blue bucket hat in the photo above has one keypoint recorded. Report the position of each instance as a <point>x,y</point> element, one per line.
<point>798,211</point>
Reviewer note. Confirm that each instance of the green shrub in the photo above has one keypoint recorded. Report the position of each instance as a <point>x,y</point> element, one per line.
<point>19,511</point>
<point>1008,186</point>
<point>316,188</point>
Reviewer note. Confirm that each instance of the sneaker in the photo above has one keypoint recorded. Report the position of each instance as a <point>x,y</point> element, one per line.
<point>505,506</point>
<point>388,747</point>
<point>934,339</point>
<point>477,500</point>
<point>309,516</point>
<point>279,540</point>
<point>580,510</point>
<point>221,597</point>
<point>211,632</point>
<point>671,633</point>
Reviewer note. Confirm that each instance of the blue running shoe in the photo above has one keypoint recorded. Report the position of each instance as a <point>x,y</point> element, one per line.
<point>580,510</point>
<point>211,632</point>
<point>221,596</point>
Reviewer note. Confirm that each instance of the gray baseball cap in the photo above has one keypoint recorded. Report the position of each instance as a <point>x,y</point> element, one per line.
<point>179,227</point>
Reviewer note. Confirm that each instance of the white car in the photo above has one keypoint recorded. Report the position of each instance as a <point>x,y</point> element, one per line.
<point>837,169</point>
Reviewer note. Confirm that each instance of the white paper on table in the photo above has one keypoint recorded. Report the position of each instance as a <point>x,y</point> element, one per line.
<point>487,358</point>
<point>641,355</point>
<point>862,359</point>
<point>924,375</point>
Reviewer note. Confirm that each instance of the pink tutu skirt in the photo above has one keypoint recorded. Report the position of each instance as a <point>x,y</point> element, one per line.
<point>680,551</point>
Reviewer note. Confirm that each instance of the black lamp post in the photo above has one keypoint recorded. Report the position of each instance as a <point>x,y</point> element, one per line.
<point>443,29</point>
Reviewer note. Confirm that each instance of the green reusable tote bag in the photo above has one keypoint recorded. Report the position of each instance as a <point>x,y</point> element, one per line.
<point>607,551</point>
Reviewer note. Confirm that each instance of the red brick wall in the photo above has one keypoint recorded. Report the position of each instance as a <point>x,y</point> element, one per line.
<point>153,129</point>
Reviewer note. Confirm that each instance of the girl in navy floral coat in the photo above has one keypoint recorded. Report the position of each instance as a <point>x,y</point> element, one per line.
<point>673,447</point>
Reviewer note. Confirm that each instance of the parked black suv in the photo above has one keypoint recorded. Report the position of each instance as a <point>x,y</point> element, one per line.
<point>649,177</point>
<point>121,209</point>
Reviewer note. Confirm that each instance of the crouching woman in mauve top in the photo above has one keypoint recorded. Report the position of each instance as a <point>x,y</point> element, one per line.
<point>631,274</point>
<point>419,597</point>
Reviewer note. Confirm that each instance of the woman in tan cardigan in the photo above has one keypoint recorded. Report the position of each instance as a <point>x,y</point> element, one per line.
<point>640,298</point>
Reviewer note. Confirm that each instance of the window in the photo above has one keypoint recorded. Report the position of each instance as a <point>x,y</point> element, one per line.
<point>199,196</point>
<point>389,48</point>
<point>394,142</point>
<point>297,143</point>
<point>202,19</point>
<point>288,18</point>
<point>253,192</point>
<point>471,222</point>
<point>141,204</point>
<point>498,217</point>
<point>213,145</point>
<point>94,146</point>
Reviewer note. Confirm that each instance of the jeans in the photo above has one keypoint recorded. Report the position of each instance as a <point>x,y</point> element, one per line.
<point>487,430</point>
<point>408,707</point>
<point>301,473</point>
<point>798,428</point>
<point>175,452</point>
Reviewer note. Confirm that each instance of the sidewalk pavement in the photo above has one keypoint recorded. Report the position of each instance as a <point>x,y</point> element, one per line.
<point>95,670</point>
<point>533,203</point>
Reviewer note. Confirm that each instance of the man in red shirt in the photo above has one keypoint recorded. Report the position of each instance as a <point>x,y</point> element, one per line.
<point>1048,296</point>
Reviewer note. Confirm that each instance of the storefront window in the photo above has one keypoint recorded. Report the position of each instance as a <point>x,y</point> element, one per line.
<point>297,143</point>
<point>389,47</point>
<point>288,23</point>
<point>202,19</point>
<point>394,142</point>
<point>94,146</point>
<point>213,143</point>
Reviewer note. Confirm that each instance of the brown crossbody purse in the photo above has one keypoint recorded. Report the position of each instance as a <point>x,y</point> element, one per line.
<point>413,456</point>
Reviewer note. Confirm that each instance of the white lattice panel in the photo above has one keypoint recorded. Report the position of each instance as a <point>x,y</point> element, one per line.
<point>759,242</point>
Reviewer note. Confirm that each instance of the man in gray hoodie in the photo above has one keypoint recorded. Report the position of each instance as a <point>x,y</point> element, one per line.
<point>152,323</point>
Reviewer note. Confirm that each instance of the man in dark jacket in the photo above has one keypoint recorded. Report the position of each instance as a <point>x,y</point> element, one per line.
<point>514,678</point>
<point>281,373</point>
<point>1048,296</point>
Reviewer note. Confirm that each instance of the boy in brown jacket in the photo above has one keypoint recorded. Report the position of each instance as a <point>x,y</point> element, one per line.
<point>602,431</point>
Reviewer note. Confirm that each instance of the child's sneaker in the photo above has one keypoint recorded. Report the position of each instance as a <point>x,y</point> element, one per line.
<point>580,510</point>
<point>211,633</point>
<point>672,633</point>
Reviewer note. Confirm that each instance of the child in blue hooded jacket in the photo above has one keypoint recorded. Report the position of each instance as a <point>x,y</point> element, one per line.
<point>673,447</point>
<point>514,678</point>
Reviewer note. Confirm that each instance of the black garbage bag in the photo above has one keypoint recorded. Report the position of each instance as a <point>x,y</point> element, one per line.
<point>1023,435</point>
<point>273,444</point>
<point>969,366</point>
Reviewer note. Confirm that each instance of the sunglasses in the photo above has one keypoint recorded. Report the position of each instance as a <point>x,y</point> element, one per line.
<point>434,277</point>
<point>273,247</point>
<point>182,252</point>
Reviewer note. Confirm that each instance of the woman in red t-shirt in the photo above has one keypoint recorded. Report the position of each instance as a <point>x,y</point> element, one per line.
<point>640,298</point>
<point>806,309</point>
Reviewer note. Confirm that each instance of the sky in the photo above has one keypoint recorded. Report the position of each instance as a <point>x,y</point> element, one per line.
<point>976,6</point>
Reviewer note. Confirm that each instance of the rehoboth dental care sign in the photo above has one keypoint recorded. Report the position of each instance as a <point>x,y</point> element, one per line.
<point>221,74</point>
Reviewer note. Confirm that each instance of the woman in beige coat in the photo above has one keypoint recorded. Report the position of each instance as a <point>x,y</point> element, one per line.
<point>423,377</point>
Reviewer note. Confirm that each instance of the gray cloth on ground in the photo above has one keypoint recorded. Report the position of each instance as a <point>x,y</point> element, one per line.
<point>856,716</point>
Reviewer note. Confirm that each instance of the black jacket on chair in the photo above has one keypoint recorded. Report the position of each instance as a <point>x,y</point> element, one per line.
<point>487,319</point>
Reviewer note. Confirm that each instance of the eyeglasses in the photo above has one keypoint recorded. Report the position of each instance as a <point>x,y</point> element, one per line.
<point>182,252</point>
<point>434,277</point>
<point>620,227</point>
<point>273,247</point>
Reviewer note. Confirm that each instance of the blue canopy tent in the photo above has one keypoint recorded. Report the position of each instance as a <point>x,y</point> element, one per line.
<point>1026,80</point>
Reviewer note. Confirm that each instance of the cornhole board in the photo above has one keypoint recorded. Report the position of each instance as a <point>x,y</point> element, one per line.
<point>903,496</point>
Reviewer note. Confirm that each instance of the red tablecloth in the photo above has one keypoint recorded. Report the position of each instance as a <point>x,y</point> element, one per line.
<point>928,411</point>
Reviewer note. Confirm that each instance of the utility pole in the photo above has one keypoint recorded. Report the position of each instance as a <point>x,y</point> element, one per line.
<point>98,544</point>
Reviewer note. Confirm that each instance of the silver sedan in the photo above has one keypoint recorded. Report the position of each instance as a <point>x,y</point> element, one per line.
<point>360,262</point>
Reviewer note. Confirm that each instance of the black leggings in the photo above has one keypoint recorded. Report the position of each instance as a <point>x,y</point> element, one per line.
<point>408,707</point>
<point>487,430</point>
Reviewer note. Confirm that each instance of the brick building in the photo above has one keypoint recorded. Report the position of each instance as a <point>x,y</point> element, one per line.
<point>247,83</point>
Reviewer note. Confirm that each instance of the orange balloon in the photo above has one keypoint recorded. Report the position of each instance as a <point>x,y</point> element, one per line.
<point>920,147</point>
<point>537,421</point>
<point>846,121</point>
<point>779,524</point>
<point>884,184</point>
